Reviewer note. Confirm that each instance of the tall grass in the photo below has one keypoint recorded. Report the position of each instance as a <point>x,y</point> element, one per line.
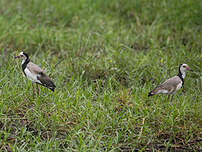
<point>104,57</point>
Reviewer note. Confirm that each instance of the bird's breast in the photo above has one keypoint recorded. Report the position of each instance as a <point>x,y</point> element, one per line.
<point>179,86</point>
<point>31,76</point>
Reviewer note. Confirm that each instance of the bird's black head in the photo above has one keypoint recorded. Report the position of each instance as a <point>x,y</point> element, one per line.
<point>23,55</point>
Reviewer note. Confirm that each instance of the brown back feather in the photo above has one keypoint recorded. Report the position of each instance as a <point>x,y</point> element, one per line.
<point>169,85</point>
<point>46,81</point>
<point>34,68</point>
<point>42,77</point>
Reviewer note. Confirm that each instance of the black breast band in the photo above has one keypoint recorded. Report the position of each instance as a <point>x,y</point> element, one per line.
<point>180,76</point>
<point>24,65</point>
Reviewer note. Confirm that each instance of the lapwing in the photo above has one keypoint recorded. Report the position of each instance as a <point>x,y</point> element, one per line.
<point>173,84</point>
<point>34,73</point>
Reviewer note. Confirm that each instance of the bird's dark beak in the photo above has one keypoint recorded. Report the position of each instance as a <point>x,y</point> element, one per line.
<point>16,57</point>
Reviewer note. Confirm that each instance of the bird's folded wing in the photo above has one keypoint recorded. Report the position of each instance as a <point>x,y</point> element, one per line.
<point>174,81</point>
<point>33,68</point>
<point>45,80</point>
<point>168,86</point>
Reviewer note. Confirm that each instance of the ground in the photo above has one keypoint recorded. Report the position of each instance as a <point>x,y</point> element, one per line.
<point>104,57</point>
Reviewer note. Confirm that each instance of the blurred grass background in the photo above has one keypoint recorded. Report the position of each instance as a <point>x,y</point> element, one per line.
<point>104,57</point>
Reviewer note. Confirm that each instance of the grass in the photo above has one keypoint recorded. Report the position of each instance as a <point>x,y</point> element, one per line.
<point>104,57</point>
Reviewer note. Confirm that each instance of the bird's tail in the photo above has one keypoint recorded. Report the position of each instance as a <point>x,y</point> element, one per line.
<point>150,94</point>
<point>52,87</point>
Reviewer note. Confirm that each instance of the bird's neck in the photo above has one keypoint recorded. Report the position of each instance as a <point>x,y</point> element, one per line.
<point>24,64</point>
<point>26,60</point>
<point>182,75</point>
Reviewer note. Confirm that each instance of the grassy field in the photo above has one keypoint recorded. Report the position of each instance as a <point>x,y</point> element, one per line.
<point>104,57</point>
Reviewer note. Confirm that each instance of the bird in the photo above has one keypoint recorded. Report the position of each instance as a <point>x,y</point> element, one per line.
<point>172,85</point>
<point>34,73</point>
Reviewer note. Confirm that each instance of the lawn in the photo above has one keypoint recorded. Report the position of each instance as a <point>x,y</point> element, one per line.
<point>104,57</point>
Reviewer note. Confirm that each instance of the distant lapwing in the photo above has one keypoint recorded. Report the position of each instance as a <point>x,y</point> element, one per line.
<point>34,73</point>
<point>173,84</point>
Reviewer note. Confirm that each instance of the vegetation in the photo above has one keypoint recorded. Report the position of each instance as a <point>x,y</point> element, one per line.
<point>104,57</point>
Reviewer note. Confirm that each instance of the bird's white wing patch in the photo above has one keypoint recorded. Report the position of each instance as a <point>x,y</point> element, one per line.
<point>162,91</point>
<point>31,76</point>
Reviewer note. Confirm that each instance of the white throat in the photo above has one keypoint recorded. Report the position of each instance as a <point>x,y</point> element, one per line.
<point>183,74</point>
<point>23,61</point>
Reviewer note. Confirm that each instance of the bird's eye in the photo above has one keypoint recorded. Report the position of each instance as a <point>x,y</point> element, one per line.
<point>184,66</point>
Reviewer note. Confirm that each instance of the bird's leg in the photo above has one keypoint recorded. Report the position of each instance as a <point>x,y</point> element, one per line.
<point>37,87</point>
<point>171,99</point>
<point>33,90</point>
<point>168,97</point>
